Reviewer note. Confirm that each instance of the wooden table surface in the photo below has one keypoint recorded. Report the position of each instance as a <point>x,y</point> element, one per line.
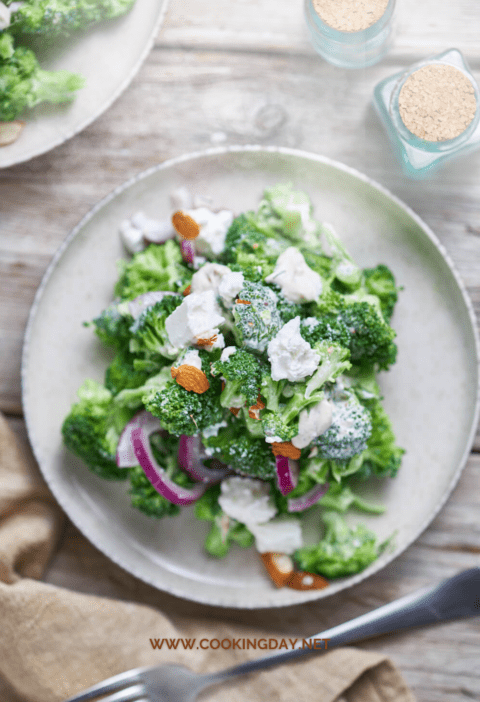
<point>241,72</point>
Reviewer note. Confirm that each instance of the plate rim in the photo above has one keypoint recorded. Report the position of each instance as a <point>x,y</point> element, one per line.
<point>382,562</point>
<point>34,152</point>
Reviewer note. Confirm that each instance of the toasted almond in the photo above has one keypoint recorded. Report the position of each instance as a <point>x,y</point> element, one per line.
<point>254,413</point>
<point>301,580</point>
<point>174,372</point>
<point>242,302</point>
<point>235,410</point>
<point>207,342</point>
<point>279,567</point>
<point>10,131</point>
<point>187,291</point>
<point>191,378</point>
<point>286,448</point>
<point>185,225</point>
<point>223,385</point>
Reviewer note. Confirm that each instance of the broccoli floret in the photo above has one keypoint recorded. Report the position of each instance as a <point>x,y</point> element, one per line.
<point>224,530</point>
<point>341,498</point>
<point>289,310</point>
<point>112,327</point>
<point>121,374</point>
<point>276,429</point>
<point>343,269</point>
<point>23,84</point>
<point>284,402</point>
<point>350,429</point>
<point>158,267</point>
<point>183,411</point>
<point>287,213</point>
<point>243,453</point>
<point>92,430</point>
<point>356,324</point>
<point>52,18</point>
<point>242,373</point>
<point>380,281</point>
<point>258,321</point>
<point>342,551</point>
<point>334,360</point>
<point>134,398</point>
<point>382,456</point>
<point>143,495</point>
<point>148,334</point>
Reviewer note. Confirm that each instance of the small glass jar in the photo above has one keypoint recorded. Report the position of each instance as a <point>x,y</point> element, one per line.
<point>420,156</point>
<point>350,49</point>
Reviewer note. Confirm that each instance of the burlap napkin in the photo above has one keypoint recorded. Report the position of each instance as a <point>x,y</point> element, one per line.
<point>55,642</point>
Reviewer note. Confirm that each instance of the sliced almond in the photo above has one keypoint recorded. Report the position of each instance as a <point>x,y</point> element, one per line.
<point>302,580</point>
<point>242,302</point>
<point>235,410</point>
<point>207,342</point>
<point>191,378</point>
<point>286,448</point>
<point>10,131</point>
<point>185,225</point>
<point>279,567</point>
<point>187,291</point>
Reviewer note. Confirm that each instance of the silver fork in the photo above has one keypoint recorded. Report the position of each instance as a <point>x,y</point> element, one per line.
<point>454,598</point>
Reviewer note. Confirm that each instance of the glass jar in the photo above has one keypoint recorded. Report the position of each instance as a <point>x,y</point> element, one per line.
<point>419,156</point>
<point>350,49</point>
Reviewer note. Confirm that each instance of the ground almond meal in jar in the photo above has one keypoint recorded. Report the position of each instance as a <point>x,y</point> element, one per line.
<point>350,15</point>
<point>437,102</point>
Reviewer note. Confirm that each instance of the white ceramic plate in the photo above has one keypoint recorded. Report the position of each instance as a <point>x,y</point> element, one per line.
<point>431,393</point>
<point>108,56</point>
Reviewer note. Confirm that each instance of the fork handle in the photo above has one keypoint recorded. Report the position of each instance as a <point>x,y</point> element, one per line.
<point>454,598</point>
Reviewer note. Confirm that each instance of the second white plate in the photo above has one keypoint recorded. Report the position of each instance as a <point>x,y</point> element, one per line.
<point>108,56</point>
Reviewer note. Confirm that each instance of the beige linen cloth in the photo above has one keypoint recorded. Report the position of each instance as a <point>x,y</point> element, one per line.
<point>55,642</point>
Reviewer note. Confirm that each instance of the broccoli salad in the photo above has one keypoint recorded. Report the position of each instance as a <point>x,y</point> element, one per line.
<point>243,382</point>
<point>23,83</point>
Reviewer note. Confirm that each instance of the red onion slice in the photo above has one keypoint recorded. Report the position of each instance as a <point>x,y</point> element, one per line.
<point>125,454</point>
<point>188,250</point>
<point>140,303</point>
<point>310,498</point>
<point>157,476</point>
<point>190,457</point>
<point>287,474</point>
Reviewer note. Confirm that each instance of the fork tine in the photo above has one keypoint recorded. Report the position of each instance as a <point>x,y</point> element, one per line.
<point>136,692</point>
<point>116,682</point>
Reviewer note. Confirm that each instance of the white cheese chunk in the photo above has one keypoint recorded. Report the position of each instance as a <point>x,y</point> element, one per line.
<point>297,281</point>
<point>247,500</point>
<point>209,277</point>
<point>213,229</point>
<point>198,317</point>
<point>277,536</point>
<point>312,423</point>
<point>290,355</point>
<point>5,13</point>
<point>230,286</point>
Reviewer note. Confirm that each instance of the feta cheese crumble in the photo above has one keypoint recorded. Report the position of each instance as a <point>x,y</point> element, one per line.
<point>213,229</point>
<point>246,500</point>
<point>230,286</point>
<point>227,352</point>
<point>209,277</point>
<point>297,281</point>
<point>198,317</point>
<point>140,230</point>
<point>290,355</point>
<point>277,536</point>
<point>312,423</point>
